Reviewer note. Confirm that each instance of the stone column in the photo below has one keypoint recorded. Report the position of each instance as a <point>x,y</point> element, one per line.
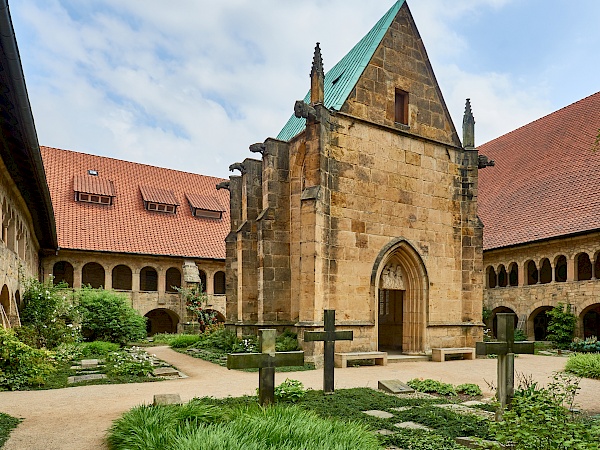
<point>571,269</point>
<point>231,263</point>
<point>210,283</point>
<point>107,277</point>
<point>162,281</point>
<point>77,275</point>
<point>135,280</point>
<point>522,270</point>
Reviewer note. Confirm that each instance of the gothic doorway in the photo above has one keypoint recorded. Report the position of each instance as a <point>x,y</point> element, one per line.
<point>401,293</point>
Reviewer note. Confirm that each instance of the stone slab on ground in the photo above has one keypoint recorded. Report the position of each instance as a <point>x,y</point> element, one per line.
<point>473,403</point>
<point>412,426</point>
<point>394,387</point>
<point>89,363</point>
<point>470,442</point>
<point>461,409</point>
<point>379,414</point>
<point>165,372</point>
<point>167,399</point>
<point>384,432</point>
<point>79,378</point>
<point>402,408</point>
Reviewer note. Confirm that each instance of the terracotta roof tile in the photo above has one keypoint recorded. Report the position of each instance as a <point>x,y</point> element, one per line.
<point>127,226</point>
<point>157,195</point>
<point>92,184</point>
<point>545,181</point>
<point>204,202</point>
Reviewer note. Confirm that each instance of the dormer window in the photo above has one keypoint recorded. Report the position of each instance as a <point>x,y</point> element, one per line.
<point>92,189</point>
<point>159,200</point>
<point>205,207</point>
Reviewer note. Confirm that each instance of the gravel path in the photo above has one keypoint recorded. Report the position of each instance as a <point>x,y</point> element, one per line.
<point>77,418</point>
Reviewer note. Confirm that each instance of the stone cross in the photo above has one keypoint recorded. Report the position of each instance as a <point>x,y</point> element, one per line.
<point>505,348</point>
<point>329,336</point>
<point>266,361</point>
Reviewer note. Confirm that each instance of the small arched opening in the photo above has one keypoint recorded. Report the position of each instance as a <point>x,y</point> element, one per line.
<point>502,276</point>
<point>597,266</point>
<point>545,271</point>
<point>513,274</point>
<point>583,266</point>
<point>161,320</point>
<point>560,269</point>
<point>219,283</point>
<point>538,320</point>
<point>202,274</point>
<point>5,300</point>
<point>19,302</point>
<point>532,273</point>
<point>501,309</point>
<point>492,280</point>
<point>148,279</point>
<point>92,274</point>
<point>220,317</point>
<point>121,278</point>
<point>591,321</point>
<point>173,280</point>
<point>62,271</point>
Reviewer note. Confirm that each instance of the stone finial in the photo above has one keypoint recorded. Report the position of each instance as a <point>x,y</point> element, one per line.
<point>237,166</point>
<point>317,78</point>
<point>468,127</point>
<point>222,185</point>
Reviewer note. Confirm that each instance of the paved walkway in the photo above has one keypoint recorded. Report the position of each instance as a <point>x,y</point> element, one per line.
<point>77,418</point>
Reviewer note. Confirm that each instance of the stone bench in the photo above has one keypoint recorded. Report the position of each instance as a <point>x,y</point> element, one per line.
<point>439,354</point>
<point>341,359</point>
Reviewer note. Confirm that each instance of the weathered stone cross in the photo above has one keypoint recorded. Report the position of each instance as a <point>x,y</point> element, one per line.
<point>266,361</point>
<point>329,336</point>
<point>505,348</point>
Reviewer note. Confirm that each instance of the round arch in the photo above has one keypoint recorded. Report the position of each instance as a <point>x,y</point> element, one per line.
<point>494,318</point>
<point>148,279</point>
<point>161,320</point>
<point>537,323</point>
<point>5,299</point>
<point>63,271</point>
<point>590,320</point>
<point>93,274</point>
<point>399,271</point>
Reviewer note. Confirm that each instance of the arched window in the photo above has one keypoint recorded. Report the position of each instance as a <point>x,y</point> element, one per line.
<point>491,277</point>
<point>148,279</point>
<point>63,271</point>
<point>202,279</point>
<point>513,274</point>
<point>5,301</point>
<point>532,273</point>
<point>502,276</point>
<point>18,301</point>
<point>92,274</point>
<point>121,278</point>
<point>173,280</point>
<point>597,266</point>
<point>545,271</point>
<point>219,280</point>
<point>560,270</point>
<point>583,266</point>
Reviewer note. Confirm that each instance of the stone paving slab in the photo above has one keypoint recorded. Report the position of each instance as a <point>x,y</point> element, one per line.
<point>412,426</point>
<point>165,372</point>
<point>473,403</point>
<point>89,363</point>
<point>384,432</point>
<point>379,414</point>
<point>402,408</point>
<point>79,378</point>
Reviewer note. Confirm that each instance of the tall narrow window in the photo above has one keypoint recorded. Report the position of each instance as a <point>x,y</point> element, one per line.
<point>401,107</point>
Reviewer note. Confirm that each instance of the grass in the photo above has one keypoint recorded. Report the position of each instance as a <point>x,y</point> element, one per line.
<point>585,365</point>
<point>7,424</point>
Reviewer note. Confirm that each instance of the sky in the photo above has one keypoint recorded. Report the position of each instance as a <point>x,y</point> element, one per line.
<point>190,84</point>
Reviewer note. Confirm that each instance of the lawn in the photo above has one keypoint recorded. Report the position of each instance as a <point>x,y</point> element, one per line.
<point>7,424</point>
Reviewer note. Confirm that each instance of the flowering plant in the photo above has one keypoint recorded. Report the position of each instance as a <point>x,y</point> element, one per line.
<point>196,301</point>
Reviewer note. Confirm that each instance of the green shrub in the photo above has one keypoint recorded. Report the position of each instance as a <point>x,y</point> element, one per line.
<point>48,318</point>
<point>98,348</point>
<point>468,389</point>
<point>184,340</point>
<point>68,352</point>
<point>429,385</point>
<point>589,345</point>
<point>134,362</point>
<point>22,366</point>
<point>107,316</point>
<point>585,365</point>
<point>561,325</point>
<point>290,391</point>
<point>520,335</point>
<point>287,342</point>
<point>163,338</point>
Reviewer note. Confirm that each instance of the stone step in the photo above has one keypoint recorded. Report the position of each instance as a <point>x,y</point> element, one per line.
<point>407,358</point>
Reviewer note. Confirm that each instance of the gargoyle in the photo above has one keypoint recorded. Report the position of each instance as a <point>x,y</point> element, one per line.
<point>223,185</point>
<point>483,162</point>
<point>237,166</point>
<point>304,110</point>
<point>260,147</point>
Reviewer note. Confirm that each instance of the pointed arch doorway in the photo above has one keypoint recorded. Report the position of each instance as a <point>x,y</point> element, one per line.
<point>400,285</point>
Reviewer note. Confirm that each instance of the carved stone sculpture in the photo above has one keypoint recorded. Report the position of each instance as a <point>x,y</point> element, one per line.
<point>304,110</point>
<point>222,185</point>
<point>237,166</point>
<point>259,148</point>
<point>484,162</point>
<point>392,278</point>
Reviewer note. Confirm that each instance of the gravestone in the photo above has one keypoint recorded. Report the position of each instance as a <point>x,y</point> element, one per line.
<point>328,336</point>
<point>266,361</point>
<point>505,348</point>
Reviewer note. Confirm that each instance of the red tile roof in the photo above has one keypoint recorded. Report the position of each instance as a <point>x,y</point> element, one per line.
<point>126,226</point>
<point>203,202</point>
<point>546,180</point>
<point>91,184</point>
<point>157,195</point>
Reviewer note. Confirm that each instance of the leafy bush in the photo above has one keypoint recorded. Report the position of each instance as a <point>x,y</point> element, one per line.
<point>48,317</point>
<point>468,389</point>
<point>163,338</point>
<point>589,345</point>
<point>134,362</point>
<point>98,348</point>
<point>68,352</point>
<point>520,335</point>
<point>287,342</point>
<point>107,316</point>
<point>585,365</point>
<point>290,391</point>
<point>21,365</point>
<point>561,325</point>
<point>184,340</point>
<point>429,385</point>
<point>220,338</point>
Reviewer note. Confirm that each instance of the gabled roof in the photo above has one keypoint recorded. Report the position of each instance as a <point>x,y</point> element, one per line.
<point>545,183</point>
<point>204,202</point>
<point>158,195</point>
<point>126,226</point>
<point>91,184</point>
<point>342,77</point>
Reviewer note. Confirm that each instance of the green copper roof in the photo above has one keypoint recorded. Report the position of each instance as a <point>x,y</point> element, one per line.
<point>342,77</point>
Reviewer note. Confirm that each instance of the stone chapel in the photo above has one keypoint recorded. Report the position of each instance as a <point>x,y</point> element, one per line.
<point>366,203</point>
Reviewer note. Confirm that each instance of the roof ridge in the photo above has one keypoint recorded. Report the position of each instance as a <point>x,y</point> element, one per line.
<point>130,162</point>
<point>541,118</point>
